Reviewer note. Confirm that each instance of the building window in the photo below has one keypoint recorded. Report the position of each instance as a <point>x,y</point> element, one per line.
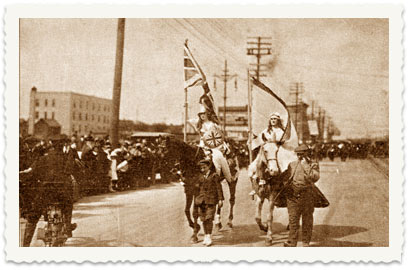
<point>46,102</point>
<point>80,116</point>
<point>93,117</point>
<point>45,115</point>
<point>99,118</point>
<point>86,117</point>
<point>37,115</point>
<point>53,103</point>
<point>73,115</point>
<point>37,103</point>
<point>86,128</point>
<point>53,115</point>
<point>74,104</point>
<point>93,106</point>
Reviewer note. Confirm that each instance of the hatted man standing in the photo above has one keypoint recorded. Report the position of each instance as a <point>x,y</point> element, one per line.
<point>300,178</point>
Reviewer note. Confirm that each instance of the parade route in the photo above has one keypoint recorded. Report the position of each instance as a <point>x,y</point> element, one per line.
<point>357,216</point>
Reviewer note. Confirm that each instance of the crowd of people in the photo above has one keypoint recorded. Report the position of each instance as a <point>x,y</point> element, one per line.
<point>350,150</point>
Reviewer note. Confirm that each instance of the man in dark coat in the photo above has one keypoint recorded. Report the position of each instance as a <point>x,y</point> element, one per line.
<point>89,160</point>
<point>208,196</point>
<point>52,183</point>
<point>300,178</point>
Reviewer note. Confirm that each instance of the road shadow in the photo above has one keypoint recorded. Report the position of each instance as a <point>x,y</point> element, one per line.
<point>92,242</point>
<point>247,234</point>
<point>109,195</point>
<point>328,236</point>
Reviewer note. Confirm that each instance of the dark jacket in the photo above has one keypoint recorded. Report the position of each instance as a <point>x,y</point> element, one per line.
<point>302,175</point>
<point>209,189</point>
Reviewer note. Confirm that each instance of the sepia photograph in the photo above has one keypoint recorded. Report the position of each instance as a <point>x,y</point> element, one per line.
<point>205,132</point>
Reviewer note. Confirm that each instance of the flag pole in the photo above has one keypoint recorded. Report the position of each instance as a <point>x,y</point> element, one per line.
<point>249,117</point>
<point>185,114</point>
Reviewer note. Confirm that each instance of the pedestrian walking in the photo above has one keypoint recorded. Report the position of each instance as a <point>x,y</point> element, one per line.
<point>208,196</point>
<point>300,178</point>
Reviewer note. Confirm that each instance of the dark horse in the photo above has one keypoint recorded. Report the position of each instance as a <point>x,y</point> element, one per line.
<point>185,158</point>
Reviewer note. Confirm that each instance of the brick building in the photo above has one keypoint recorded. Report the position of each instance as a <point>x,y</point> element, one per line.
<point>76,113</point>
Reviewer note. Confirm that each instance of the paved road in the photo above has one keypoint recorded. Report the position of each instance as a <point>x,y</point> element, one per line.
<point>357,216</point>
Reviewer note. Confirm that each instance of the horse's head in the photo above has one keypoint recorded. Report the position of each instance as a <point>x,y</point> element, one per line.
<point>270,156</point>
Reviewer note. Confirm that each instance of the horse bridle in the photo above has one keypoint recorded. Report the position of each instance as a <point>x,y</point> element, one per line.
<point>275,158</point>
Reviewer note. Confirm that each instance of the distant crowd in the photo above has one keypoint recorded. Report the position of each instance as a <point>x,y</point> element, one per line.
<point>102,168</point>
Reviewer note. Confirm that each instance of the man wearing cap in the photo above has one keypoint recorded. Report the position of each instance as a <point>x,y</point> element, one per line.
<point>209,194</point>
<point>299,180</point>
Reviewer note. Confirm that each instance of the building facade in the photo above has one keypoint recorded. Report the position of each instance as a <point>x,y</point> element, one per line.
<point>236,125</point>
<point>76,113</point>
<point>298,115</point>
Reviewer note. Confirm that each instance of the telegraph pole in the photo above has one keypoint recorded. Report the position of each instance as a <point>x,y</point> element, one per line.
<point>297,89</point>
<point>225,77</point>
<point>258,49</point>
<point>117,83</point>
<point>249,117</point>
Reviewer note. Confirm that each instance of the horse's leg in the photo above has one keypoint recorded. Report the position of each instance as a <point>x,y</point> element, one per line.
<point>232,188</point>
<point>268,240</point>
<point>189,201</point>
<point>217,219</point>
<point>258,216</point>
<point>196,226</point>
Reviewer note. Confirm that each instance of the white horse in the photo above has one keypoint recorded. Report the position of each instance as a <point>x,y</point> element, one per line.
<point>265,171</point>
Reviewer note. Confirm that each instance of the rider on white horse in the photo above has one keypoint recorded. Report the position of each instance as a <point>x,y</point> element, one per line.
<point>212,141</point>
<point>273,133</point>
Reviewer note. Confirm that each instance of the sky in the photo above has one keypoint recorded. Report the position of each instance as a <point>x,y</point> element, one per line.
<point>342,63</point>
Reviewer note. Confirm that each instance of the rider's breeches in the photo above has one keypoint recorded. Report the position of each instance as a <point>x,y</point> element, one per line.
<point>300,205</point>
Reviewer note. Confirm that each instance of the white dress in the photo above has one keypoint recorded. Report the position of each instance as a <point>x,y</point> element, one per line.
<point>274,135</point>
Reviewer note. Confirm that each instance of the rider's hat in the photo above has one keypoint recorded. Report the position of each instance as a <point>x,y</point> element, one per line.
<point>202,109</point>
<point>302,149</point>
<point>275,115</point>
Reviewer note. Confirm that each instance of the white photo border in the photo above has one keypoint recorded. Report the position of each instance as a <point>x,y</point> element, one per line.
<point>232,254</point>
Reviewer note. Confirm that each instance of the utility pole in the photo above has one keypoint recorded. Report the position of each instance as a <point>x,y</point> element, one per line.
<point>297,89</point>
<point>249,117</point>
<point>258,49</point>
<point>117,83</point>
<point>225,77</point>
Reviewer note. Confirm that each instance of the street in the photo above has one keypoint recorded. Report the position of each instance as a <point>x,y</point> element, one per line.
<point>357,215</point>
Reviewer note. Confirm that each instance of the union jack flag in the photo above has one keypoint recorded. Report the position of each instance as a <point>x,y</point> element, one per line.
<point>193,74</point>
